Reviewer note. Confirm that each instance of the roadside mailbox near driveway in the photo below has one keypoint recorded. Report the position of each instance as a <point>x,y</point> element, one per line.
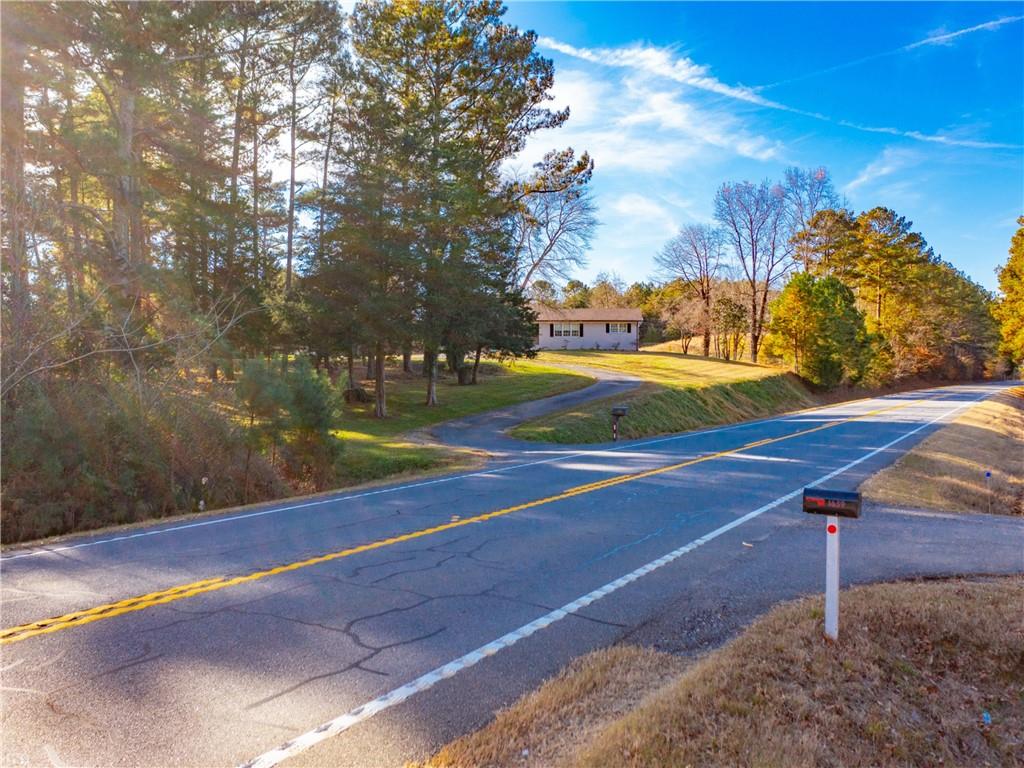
<point>832,504</point>
<point>618,411</point>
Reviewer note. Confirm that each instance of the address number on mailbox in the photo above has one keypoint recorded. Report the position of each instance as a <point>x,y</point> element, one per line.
<point>818,501</point>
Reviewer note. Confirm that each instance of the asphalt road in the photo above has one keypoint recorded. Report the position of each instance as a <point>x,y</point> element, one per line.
<point>365,629</point>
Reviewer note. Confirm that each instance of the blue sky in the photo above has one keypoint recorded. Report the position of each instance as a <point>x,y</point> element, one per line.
<point>916,106</point>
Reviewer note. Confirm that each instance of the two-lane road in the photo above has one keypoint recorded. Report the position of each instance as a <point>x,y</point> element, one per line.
<point>366,628</point>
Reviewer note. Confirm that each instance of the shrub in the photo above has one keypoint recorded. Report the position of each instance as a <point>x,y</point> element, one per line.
<point>79,455</point>
<point>313,452</point>
<point>265,399</point>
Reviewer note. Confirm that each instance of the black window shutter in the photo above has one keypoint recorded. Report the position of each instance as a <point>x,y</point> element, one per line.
<point>551,329</point>
<point>629,327</point>
<point>581,330</point>
<point>607,327</point>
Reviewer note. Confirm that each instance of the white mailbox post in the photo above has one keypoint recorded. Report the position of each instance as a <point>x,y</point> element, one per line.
<point>832,504</point>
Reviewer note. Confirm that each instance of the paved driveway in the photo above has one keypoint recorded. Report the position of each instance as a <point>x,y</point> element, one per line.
<point>487,430</point>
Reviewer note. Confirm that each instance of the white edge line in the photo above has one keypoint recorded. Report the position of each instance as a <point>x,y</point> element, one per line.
<point>450,478</point>
<point>423,682</point>
<point>393,489</point>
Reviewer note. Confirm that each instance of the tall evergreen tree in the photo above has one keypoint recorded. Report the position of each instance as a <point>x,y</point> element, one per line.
<point>453,92</point>
<point>1010,310</point>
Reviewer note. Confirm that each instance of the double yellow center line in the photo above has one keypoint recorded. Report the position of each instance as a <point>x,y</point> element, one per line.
<point>183,591</point>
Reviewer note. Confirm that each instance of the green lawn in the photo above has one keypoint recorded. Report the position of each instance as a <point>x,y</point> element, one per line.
<point>379,448</point>
<point>680,392</point>
<point>499,385</point>
<point>671,369</point>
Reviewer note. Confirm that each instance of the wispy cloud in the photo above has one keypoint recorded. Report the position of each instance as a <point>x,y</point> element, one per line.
<point>947,140</point>
<point>947,37</point>
<point>662,62</point>
<point>665,63</point>
<point>638,123</point>
<point>885,165</point>
<point>944,38</point>
<point>670,111</point>
<point>644,211</point>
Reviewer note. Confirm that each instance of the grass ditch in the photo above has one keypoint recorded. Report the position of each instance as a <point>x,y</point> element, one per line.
<point>925,673</point>
<point>947,470</point>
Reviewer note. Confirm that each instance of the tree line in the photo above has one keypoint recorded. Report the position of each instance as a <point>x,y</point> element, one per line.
<point>190,184</point>
<point>266,177</point>
<point>787,271</point>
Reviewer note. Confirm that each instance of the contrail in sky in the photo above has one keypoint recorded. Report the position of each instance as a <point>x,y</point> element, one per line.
<point>667,63</point>
<point>942,39</point>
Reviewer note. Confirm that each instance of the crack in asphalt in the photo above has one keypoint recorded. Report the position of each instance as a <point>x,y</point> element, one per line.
<point>449,573</point>
<point>346,630</point>
<point>471,554</point>
<point>442,548</point>
<point>306,681</point>
<point>358,664</point>
<point>387,612</point>
<point>604,622</point>
<point>354,573</point>
<point>407,571</point>
<point>196,615</point>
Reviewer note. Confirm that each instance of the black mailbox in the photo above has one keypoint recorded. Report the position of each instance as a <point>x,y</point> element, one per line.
<point>818,501</point>
<point>619,410</point>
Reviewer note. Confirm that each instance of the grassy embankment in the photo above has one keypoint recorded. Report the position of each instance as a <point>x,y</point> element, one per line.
<point>379,448</point>
<point>679,392</point>
<point>917,669</point>
<point>947,470</point>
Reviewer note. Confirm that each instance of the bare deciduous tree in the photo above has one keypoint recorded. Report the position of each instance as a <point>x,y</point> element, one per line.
<point>807,191</point>
<point>687,317</point>
<point>556,218</point>
<point>754,217</point>
<point>695,257</point>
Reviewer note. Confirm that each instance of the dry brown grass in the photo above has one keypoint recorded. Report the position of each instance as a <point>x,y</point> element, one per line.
<point>947,470</point>
<point>566,712</point>
<point>916,668</point>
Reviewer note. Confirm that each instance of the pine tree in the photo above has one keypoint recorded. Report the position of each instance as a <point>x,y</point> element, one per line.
<point>1010,309</point>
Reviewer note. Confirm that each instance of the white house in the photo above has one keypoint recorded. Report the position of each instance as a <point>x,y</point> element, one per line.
<point>591,328</point>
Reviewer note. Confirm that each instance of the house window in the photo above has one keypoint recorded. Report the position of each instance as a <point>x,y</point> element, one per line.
<point>567,329</point>
<point>618,327</point>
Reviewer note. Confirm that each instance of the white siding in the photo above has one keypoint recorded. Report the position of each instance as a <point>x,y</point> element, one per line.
<point>594,337</point>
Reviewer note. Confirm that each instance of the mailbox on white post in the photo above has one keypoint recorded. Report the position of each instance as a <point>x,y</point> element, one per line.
<point>618,411</point>
<point>832,504</point>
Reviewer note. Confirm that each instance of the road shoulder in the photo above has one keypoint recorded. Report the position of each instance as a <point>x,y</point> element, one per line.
<point>924,673</point>
<point>973,464</point>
